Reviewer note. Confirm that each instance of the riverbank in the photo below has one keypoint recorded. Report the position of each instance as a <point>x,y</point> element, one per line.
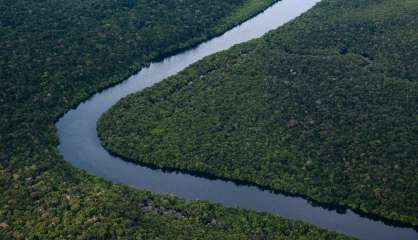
<point>59,54</point>
<point>323,107</point>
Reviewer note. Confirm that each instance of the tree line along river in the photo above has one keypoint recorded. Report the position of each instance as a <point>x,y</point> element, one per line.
<point>79,144</point>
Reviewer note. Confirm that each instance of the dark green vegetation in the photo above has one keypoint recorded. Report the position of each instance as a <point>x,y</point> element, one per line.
<point>55,53</point>
<point>325,106</point>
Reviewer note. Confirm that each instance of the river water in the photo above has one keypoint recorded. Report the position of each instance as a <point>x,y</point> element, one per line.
<point>80,145</point>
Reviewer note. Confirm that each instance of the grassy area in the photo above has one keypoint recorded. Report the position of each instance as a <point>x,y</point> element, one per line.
<point>325,106</point>
<point>55,53</point>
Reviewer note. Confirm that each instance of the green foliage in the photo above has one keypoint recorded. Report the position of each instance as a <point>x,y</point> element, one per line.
<point>325,106</point>
<point>55,53</point>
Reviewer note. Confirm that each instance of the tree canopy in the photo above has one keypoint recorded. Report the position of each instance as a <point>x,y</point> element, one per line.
<point>325,106</point>
<point>54,54</point>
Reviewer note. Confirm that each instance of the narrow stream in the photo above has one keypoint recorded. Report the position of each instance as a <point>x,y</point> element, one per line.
<point>80,145</point>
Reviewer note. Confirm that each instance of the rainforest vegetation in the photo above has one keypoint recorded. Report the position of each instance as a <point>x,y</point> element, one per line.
<point>54,54</point>
<point>325,106</point>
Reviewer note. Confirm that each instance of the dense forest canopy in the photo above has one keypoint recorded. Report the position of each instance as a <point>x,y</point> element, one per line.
<point>55,53</point>
<point>325,106</point>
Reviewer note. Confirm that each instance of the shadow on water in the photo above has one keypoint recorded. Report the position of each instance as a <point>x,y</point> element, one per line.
<point>80,145</point>
<point>241,183</point>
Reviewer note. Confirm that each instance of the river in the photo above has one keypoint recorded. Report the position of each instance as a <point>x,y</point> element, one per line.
<point>79,144</point>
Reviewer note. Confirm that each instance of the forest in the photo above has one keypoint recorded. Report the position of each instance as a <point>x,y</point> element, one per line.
<point>54,54</point>
<point>325,106</point>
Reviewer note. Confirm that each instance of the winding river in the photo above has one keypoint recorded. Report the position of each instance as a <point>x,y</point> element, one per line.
<point>80,145</point>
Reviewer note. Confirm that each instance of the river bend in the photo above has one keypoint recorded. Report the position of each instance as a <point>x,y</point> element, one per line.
<point>79,143</point>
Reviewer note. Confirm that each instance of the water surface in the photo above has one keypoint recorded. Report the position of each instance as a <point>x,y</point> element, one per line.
<point>80,145</point>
